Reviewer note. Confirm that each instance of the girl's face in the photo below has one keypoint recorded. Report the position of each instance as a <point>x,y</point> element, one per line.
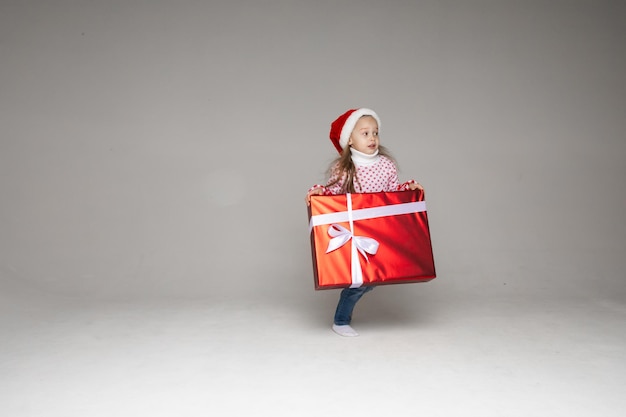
<point>364,137</point>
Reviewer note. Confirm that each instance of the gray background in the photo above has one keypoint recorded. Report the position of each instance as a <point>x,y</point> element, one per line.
<point>163,149</point>
<point>158,153</point>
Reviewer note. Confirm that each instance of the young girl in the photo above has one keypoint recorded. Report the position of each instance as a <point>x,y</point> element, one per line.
<point>363,167</point>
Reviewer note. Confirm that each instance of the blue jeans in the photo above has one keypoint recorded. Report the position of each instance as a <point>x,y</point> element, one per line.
<point>347,301</point>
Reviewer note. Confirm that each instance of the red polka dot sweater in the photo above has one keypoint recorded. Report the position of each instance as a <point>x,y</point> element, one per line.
<point>374,173</point>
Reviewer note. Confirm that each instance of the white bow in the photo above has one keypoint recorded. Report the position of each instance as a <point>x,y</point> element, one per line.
<point>340,235</point>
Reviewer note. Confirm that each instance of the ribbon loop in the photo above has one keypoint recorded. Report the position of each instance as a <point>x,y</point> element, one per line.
<point>340,236</point>
<point>366,245</point>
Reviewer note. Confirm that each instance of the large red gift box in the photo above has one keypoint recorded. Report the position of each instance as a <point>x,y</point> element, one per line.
<point>370,239</point>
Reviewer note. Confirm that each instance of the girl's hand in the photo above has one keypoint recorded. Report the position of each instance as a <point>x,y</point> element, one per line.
<point>315,191</point>
<point>415,186</point>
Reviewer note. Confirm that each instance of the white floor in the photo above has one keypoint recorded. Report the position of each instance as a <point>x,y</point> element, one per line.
<point>416,356</point>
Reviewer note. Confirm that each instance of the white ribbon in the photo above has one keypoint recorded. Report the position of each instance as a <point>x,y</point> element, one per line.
<point>340,236</point>
<point>364,245</point>
<point>367,213</point>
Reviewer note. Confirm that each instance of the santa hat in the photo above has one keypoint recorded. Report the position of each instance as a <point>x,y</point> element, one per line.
<point>341,129</point>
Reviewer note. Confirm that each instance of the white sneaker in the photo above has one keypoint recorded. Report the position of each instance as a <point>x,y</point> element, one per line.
<point>344,330</point>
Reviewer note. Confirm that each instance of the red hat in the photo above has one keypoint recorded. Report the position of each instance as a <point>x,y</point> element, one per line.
<point>341,129</point>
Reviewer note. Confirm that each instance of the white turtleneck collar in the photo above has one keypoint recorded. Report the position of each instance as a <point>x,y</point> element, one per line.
<point>363,159</point>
